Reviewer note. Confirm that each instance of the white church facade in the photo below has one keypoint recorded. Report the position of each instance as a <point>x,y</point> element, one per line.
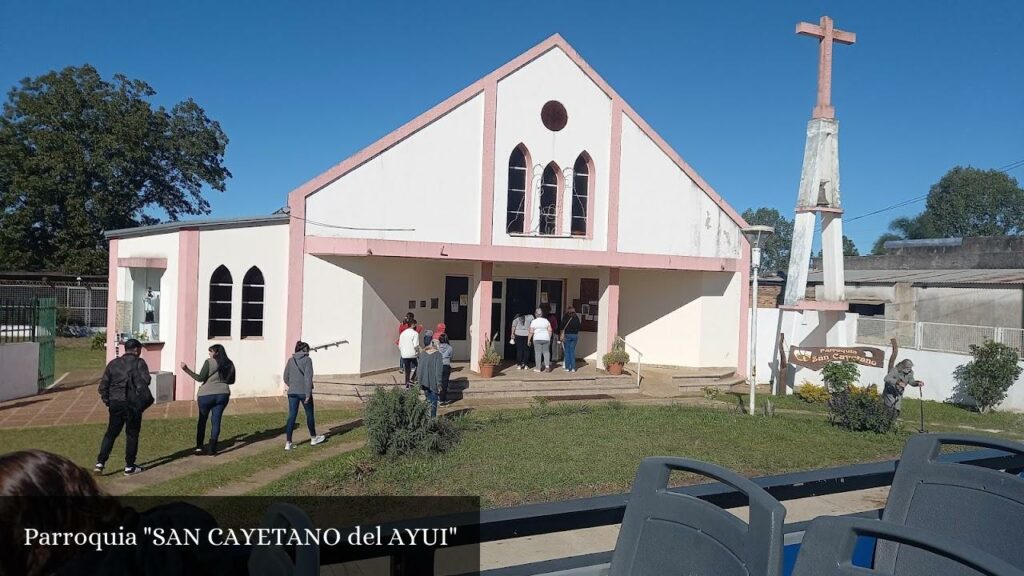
<point>535,185</point>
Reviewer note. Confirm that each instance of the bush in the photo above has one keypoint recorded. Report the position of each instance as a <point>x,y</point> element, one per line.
<point>859,410</point>
<point>987,378</point>
<point>710,392</point>
<point>839,376</point>
<point>812,393</point>
<point>398,422</point>
<point>99,341</point>
<point>491,356</point>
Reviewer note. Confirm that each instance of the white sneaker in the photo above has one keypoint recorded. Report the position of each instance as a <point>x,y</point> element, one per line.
<point>318,440</point>
<point>288,445</point>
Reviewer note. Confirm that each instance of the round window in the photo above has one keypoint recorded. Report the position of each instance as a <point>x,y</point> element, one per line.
<point>554,116</point>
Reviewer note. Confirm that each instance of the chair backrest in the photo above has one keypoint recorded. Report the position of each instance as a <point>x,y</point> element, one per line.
<point>980,507</point>
<point>268,560</point>
<point>666,532</point>
<point>828,544</point>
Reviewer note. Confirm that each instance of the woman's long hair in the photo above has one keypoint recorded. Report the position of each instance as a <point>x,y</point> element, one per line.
<point>224,364</point>
<point>51,494</point>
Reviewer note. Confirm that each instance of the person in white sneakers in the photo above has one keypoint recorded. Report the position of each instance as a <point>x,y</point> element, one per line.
<point>540,337</point>
<point>298,376</point>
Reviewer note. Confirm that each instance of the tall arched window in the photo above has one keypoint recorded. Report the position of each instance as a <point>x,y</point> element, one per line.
<point>549,200</point>
<point>220,304</point>
<point>580,195</point>
<point>515,221</point>
<point>252,303</point>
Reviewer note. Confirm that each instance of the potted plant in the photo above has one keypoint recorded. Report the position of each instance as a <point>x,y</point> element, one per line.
<point>489,359</point>
<point>616,359</point>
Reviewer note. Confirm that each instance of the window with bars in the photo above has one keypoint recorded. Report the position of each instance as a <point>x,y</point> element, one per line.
<point>580,194</point>
<point>549,200</point>
<point>252,303</point>
<point>220,303</point>
<point>516,210</point>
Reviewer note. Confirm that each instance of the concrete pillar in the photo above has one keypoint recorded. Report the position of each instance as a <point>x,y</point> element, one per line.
<point>607,311</point>
<point>480,323</point>
<point>832,256</point>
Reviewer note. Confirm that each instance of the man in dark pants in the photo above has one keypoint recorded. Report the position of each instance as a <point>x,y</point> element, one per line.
<point>122,377</point>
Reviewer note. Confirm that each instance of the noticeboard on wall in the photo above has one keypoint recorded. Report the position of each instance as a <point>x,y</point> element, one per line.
<point>586,304</point>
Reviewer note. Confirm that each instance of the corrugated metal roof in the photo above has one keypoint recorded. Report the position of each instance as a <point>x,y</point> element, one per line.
<point>209,224</point>
<point>975,276</point>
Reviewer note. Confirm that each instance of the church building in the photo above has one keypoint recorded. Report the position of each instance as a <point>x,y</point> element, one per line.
<point>535,185</point>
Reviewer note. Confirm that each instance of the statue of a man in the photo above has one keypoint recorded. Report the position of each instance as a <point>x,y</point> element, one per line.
<point>896,381</point>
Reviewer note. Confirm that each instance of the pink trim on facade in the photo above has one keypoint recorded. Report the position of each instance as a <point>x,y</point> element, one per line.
<point>296,272</point>
<point>819,305</point>
<point>614,177</point>
<point>156,263</point>
<point>487,172</point>
<point>484,296</point>
<point>152,353</point>
<point>327,246</point>
<point>188,313</point>
<point>743,365</point>
<point>613,307</point>
<point>112,289</point>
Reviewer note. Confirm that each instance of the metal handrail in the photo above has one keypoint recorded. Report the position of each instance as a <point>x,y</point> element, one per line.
<point>639,357</point>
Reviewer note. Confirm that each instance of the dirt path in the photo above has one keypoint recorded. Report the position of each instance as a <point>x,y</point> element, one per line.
<point>264,477</point>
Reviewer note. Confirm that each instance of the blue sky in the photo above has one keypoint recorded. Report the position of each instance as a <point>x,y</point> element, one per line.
<point>299,86</point>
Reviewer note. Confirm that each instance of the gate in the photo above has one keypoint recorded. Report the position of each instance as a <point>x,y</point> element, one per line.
<point>32,321</point>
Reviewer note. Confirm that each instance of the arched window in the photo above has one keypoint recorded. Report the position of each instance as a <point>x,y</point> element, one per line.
<point>580,195</point>
<point>515,221</point>
<point>549,200</point>
<point>252,303</point>
<point>220,304</point>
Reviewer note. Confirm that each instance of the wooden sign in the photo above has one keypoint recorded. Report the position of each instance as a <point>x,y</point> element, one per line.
<point>816,358</point>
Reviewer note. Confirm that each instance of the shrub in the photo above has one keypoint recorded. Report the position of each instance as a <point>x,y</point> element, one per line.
<point>987,378</point>
<point>99,341</point>
<point>839,376</point>
<point>491,356</point>
<point>398,422</point>
<point>860,409</point>
<point>618,355</point>
<point>710,392</point>
<point>812,393</point>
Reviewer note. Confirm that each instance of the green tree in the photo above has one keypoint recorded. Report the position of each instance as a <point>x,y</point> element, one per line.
<point>879,246</point>
<point>849,248</point>
<point>774,249</point>
<point>80,155</point>
<point>987,378</point>
<point>966,202</point>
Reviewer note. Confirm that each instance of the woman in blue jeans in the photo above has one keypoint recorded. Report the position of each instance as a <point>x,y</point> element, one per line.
<point>217,375</point>
<point>570,336</point>
<point>298,376</point>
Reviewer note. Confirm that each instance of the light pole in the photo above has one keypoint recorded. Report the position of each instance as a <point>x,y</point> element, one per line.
<point>754,234</point>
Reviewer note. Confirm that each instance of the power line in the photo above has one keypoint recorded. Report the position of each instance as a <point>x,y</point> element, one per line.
<point>354,228</point>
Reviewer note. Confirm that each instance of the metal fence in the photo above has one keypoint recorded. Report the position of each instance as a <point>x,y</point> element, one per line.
<point>934,336</point>
<point>77,305</point>
<point>32,321</point>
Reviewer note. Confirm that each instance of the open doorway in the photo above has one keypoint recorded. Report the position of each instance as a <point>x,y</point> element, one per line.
<point>520,298</point>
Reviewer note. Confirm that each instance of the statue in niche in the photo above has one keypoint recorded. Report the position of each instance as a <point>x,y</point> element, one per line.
<point>150,303</point>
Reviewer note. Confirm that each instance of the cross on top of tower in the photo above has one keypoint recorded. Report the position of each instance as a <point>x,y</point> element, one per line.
<point>826,34</point>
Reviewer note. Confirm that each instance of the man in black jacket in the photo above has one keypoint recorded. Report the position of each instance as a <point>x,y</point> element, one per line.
<point>122,379</point>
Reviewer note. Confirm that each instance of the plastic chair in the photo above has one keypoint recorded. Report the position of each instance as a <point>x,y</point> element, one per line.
<point>980,507</point>
<point>829,542</point>
<point>274,560</point>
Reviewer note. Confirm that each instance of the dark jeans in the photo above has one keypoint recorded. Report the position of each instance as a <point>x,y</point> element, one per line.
<point>432,398</point>
<point>570,351</point>
<point>122,415</point>
<point>410,370</point>
<point>446,374</point>
<point>210,404</point>
<point>522,351</point>
<point>293,411</point>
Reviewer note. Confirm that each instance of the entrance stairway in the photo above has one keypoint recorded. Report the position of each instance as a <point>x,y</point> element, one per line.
<point>694,380</point>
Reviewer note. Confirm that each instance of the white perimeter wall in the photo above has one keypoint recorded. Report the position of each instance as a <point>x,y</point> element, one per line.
<point>19,375</point>
<point>662,211</point>
<point>259,361</point>
<point>155,246</point>
<point>552,76</point>
<point>429,182</point>
<point>934,368</point>
<point>681,318</point>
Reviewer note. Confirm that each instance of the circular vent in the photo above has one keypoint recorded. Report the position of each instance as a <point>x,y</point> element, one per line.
<point>554,116</point>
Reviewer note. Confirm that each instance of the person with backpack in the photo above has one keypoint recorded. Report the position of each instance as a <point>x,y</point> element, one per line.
<point>124,389</point>
<point>298,376</point>
<point>570,336</point>
<point>217,375</point>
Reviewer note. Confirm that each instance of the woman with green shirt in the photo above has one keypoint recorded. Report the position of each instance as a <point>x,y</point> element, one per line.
<point>217,375</point>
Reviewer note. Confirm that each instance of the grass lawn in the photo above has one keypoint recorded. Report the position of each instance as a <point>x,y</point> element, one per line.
<point>544,454</point>
<point>76,354</point>
<point>160,440</point>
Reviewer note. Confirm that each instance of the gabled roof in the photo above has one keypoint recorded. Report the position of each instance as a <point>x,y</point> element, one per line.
<point>410,128</point>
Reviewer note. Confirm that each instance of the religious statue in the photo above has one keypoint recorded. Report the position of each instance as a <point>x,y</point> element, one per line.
<point>148,301</point>
<point>896,381</point>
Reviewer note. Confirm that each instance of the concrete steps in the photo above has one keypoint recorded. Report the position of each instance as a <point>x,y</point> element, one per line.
<point>694,380</point>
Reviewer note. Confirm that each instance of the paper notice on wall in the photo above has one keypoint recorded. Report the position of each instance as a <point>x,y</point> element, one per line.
<point>593,302</point>
<point>455,306</point>
<point>464,300</point>
<point>434,303</point>
<point>543,297</point>
<point>554,308</point>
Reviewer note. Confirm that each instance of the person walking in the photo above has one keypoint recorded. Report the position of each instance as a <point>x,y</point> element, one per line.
<point>446,350</point>
<point>570,336</point>
<point>409,320</point>
<point>521,338</point>
<point>896,382</point>
<point>430,368</point>
<point>217,376</point>
<point>298,376</point>
<point>540,338</point>
<point>124,390</point>
<point>409,347</point>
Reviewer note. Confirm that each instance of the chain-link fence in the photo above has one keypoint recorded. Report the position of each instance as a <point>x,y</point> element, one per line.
<point>955,338</point>
<point>79,306</point>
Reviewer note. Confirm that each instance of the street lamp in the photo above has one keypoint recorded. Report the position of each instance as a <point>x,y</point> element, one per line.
<point>754,234</point>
